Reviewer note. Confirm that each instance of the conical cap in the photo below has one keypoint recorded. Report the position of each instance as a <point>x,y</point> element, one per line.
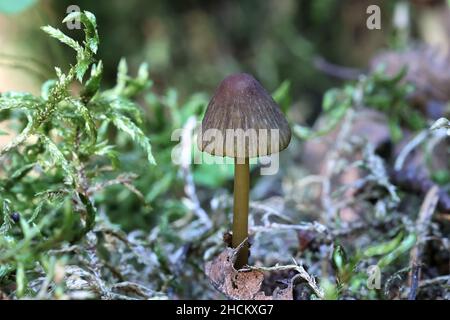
<point>243,121</point>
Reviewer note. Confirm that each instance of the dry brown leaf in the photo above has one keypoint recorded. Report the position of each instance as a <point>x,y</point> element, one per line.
<point>242,284</point>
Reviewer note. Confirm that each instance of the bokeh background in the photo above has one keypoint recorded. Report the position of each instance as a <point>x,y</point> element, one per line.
<point>296,48</point>
<point>192,45</point>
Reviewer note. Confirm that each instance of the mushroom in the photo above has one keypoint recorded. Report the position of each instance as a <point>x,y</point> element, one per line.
<point>242,121</point>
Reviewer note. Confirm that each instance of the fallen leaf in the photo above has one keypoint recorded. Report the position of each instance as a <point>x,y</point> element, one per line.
<point>240,284</point>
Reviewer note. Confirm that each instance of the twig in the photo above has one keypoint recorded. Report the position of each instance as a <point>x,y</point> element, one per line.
<point>410,146</point>
<point>423,221</point>
<point>267,225</point>
<point>336,71</point>
<point>437,280</point>
<point>268,212</point>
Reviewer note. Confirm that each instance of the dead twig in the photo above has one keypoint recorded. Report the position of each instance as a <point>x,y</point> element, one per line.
<point>268,212</point>
<point>434,281</point>
<point>423,221</point>
<point>410,146</point>
<point>336,71</point>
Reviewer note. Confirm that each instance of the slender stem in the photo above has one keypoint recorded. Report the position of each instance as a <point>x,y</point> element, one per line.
<point>240,212</point>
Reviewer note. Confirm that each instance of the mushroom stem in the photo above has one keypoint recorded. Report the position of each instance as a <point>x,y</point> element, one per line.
<point>240,210</point>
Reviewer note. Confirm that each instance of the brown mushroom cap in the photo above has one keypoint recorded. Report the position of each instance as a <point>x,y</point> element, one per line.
<point>242,120</point>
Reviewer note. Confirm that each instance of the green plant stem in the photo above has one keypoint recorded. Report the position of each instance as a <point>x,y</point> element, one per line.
<point>240,210</point>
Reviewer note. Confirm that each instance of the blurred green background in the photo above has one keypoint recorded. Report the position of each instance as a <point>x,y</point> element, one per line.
<point>297,49</point>
<point>190,46</point>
